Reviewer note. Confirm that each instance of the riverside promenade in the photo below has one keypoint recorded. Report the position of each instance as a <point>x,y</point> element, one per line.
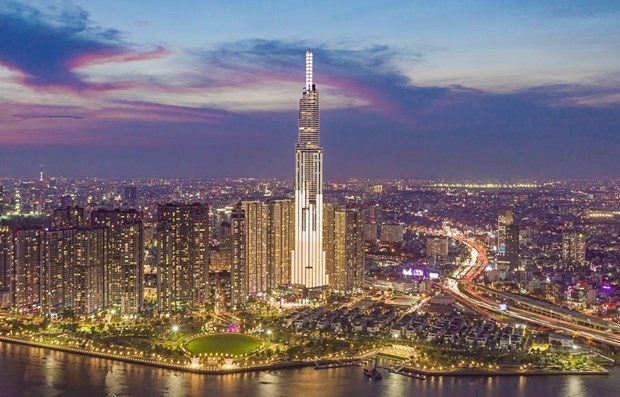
<point>187,365</point>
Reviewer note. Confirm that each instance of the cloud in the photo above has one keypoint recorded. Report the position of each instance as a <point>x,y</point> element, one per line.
<point>21,117</point>
<point>192,106</point>
<point>350,77</point>
<point>46,46</point>
<point>569,95</point>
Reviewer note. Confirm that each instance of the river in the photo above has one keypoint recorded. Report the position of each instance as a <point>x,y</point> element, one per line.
<point>37,372</point>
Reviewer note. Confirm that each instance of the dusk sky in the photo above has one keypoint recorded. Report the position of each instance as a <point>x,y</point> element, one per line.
<point>418,89</point>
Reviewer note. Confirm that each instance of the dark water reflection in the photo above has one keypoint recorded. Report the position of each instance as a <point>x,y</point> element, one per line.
<point>26,371</point>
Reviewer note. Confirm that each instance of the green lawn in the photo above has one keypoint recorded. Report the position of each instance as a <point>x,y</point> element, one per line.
<point>229,343</point>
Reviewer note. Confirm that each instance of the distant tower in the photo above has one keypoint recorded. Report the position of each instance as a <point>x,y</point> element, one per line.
<point>41,173</point>
<point>308,263</point>
<point>507,240</point>
<point>130,197</point>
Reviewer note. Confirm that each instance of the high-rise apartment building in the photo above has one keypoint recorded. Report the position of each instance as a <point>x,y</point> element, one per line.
<point>88,295</point>
<point>374,214</point>
<point>262,240</point>
<point>6,255</point>
<point>344,247</point>
<point>124,258</point>
<point>26,269</point>
<point>280,241</point>
<point>392,233</point>
<point>68,217</point>
<point>57,271</point>
<point>349,250</point>
<point>256,258</point>
<point>238,289</point>
<point>437,248</point>
<point>308,262</point>
<point>329,237</point>
<point>573,247</point>
<point>72,270</point>
<point>183,256</point>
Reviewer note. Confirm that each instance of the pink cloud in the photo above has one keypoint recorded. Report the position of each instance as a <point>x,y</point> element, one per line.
<point>115,56</point>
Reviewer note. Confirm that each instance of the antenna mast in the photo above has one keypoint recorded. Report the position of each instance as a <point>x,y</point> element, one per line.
<point>309,70</point>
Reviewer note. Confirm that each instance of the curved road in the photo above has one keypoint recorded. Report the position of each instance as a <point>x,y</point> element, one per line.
<point>460,287</point>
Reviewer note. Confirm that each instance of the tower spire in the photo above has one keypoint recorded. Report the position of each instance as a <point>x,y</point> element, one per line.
<point>309,70</point>
<point>308,256</point>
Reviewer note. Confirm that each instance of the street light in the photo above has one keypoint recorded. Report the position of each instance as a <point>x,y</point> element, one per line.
<point>175,328</point>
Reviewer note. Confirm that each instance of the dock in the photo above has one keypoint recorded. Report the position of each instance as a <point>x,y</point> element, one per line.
<point>400,370</point>
<point>335,364</point>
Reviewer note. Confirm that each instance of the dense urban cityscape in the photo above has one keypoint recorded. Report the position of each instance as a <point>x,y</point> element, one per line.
<point>224,275</point>
<point>506,274</point>
<point>203,283</point>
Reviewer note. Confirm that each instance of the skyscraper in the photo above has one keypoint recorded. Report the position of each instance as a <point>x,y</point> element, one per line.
<point>504,218</point>
<point>256,230</point>
<point>124,253</point>
<point>72,271</point>
<point>281,234</point>
<point>183,255</point>
<point>88,276</point>
<point>26,269</point>
<point>262,235</point>
<point>6,255</point>
<point>507,240</point>
<point>238,289</point>
<point>57,271</point>
<point>344,249</point>
<point>308,264</point>
<point>349,250</point>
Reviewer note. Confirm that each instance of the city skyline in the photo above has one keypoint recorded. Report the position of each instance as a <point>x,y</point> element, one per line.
<point>413,90</point>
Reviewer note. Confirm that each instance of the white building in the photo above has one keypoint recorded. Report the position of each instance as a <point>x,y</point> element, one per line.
<point>308,262</point>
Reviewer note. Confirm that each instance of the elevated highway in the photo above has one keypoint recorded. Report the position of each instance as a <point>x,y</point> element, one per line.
<point>524,308</point>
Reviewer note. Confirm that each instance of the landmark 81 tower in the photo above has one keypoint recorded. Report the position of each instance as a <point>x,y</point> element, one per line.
<point>308,264</point>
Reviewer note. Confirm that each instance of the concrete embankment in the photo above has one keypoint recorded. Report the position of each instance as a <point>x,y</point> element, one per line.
<point>474,372</point>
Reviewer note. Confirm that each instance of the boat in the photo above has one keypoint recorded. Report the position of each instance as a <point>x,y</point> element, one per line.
<point>373,373</point>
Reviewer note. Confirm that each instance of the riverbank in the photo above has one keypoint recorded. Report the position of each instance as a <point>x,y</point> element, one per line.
<point>481,372</point>
<point>199,369</point>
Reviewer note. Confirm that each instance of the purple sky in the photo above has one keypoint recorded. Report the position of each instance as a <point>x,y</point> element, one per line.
<point>147,88</point>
